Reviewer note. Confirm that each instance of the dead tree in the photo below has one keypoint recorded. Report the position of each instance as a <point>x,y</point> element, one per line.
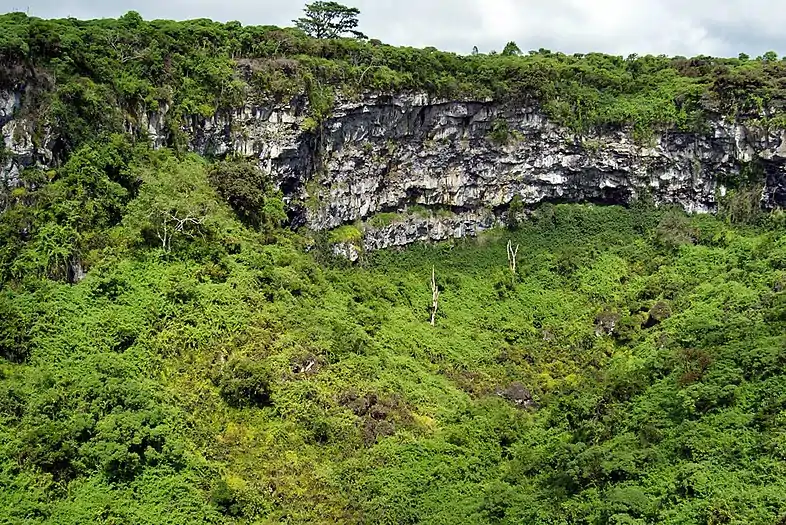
<point>434,296</point>
<point>512,257</point>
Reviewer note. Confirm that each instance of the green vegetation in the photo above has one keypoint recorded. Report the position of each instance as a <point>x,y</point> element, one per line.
<point>632,372</point>
<point>511,49</point>
<point>249,193</point>
<point>170,352</point>
<point>329,20</point>
<point>348,233</point>
<point>92,77</point>
<point>382,220</point>
<point>501,134</point>
<point>515,210</point>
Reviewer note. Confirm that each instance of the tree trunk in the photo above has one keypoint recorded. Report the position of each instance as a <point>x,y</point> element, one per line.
<point>434,296</point>
<point>513,258</point>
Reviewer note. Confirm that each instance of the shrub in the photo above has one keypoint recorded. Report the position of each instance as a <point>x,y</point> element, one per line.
<point>245,382</point>
<point>659,313</point>
<point>224,498</point>
<point>382,220</point>
<point>15,327</point>
<point>516,208</point>
<point>97,419</point>
<point>346,234</point>
<point>500,132</point>
<point>742,205</point>
<point>675,230</point>
<point>249,192</point>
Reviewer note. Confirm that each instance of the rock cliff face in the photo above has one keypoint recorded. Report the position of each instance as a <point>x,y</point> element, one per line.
<point>467,159</point>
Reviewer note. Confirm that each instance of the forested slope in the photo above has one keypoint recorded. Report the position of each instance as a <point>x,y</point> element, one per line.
<point>213,365</point>
<point>631,369</point>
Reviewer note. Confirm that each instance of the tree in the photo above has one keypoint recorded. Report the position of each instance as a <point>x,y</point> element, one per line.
<point>250,193</point>
<point>175,201</point>
<point>434,296</point>
<point>513,257</point>
<point>511,49</point>
<point>329,20</point>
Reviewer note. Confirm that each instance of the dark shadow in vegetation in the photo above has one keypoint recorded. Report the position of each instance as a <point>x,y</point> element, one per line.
<point>244,382</point>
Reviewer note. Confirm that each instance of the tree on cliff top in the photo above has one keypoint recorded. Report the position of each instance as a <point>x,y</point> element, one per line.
<point>511,49</point>
<point>329,20</point>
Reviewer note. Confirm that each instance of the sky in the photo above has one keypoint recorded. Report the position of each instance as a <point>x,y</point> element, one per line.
<point>621,27</point>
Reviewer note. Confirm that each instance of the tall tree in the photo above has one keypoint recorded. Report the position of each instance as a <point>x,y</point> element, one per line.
<point>329,20</point>
<point>511,49</point>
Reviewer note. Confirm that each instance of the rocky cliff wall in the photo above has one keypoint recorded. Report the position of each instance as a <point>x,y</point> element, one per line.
<point>385,154</point>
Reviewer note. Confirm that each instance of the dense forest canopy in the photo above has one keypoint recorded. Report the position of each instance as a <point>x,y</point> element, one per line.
<point>214,366</point>
<point>92,74</point>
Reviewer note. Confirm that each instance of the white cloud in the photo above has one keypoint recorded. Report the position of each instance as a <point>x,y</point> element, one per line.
<point>718,27</point>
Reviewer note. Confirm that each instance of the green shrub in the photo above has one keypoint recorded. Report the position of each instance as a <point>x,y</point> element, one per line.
<point>742,205</point>
<point>515,210</point>
<point>382,220</point>
<point>15,328</point>
<point>500,133</point>
<point>243,185</point>
<point>346,234</point>
<point>675,230</point>
<point>224,498</point>
<point>245,382</point>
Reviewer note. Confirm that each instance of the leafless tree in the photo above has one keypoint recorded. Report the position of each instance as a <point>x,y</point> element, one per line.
<point>434,296</point>
<point>169,225</point>
<point>512,257</point>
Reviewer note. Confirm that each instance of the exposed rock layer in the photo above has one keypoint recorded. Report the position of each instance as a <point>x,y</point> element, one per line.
<point>383,154</point>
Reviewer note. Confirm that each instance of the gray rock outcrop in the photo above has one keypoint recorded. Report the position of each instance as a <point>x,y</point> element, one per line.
<point>469,159</point>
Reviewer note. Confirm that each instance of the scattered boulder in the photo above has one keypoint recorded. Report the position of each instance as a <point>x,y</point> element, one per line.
<point>379,415</point>
<point>347,250</point>
<point>307,364</point>
<point>606,323</point>
<point>517,394</point>
<point>374,430</point>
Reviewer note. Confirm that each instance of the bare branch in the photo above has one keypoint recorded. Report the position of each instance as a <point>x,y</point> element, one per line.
<point>434,296</point>
<point>363,75</point>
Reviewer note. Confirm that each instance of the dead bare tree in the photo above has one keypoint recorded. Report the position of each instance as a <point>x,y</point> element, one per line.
<point>168,225</point>
<point>125,51</point>
<point>434,296</point>
<point>513,255</point>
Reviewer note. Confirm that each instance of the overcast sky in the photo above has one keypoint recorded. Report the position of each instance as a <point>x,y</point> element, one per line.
<point>673,27</point>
